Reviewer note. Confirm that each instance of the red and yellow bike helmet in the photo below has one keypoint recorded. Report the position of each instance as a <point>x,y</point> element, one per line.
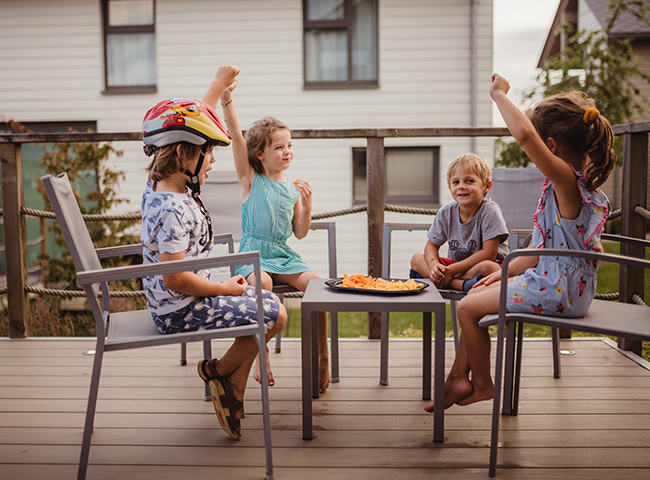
<point>182,120</point>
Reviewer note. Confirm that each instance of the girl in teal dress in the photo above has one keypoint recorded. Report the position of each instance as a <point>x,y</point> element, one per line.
<point>273,208</point>
<point>572,145</point>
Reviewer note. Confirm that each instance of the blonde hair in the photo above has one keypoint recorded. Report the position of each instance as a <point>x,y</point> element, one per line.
<point>572,120</point>
<point>259,136</point>
<point>472,162</point>
<point>167,160</point>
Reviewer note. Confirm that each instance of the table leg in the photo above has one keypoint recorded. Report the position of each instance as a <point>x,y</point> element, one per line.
<point>383,354</point>
<point>426,356</point>
<point>306,345</point>
<point>439,378</point>
<point>334,354</point>
<point>314,354</point>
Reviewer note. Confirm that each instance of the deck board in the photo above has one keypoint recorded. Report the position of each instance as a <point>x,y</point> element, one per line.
<point>151,420</point>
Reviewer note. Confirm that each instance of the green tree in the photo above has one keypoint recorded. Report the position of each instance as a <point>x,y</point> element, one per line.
<point>602,66</point>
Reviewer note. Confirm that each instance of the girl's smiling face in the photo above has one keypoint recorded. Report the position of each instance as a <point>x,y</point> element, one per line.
<point>277,154</point>
<point>467,188</point>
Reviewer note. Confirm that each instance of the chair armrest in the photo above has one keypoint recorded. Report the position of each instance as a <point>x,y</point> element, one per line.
<point>120,250</point>
<point>176,266</point>
<point>222,238</point>
<point>630,240</point>
<point>551,252</point>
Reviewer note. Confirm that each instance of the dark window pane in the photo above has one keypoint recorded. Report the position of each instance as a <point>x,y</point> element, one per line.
<point>325,10</point>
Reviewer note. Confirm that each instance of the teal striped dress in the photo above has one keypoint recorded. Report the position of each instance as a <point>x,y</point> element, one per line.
<point>267,223</point>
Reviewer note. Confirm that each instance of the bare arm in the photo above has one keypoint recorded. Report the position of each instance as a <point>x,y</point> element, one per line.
<point>553,167</point>
<point>245,172</point>
<point>190,283</point>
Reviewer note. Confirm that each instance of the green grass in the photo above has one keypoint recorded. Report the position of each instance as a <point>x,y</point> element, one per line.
<point>409,325</point>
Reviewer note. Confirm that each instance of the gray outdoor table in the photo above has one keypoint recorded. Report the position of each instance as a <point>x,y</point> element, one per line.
<point>319,297</point>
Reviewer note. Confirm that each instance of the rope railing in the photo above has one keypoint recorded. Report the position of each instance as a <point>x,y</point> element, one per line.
<point>338,213</point>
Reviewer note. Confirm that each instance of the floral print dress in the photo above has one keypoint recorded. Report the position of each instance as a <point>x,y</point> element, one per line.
<point>562,286</point>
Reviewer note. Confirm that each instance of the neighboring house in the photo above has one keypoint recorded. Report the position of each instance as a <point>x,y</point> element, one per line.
<point>593,15</point>
<point>314,64</point>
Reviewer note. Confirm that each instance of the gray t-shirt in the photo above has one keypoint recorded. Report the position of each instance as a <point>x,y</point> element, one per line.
<point>465,239</point>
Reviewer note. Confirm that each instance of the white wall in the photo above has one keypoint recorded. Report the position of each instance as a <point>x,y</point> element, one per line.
<point>51,70</point>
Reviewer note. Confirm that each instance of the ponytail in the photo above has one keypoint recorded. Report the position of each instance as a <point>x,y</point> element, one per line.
<point>599,146</point>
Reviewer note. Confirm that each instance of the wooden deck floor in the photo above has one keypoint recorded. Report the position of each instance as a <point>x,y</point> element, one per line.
<point>153,424</point>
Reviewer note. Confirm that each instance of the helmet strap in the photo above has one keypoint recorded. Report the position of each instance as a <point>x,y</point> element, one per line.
<point>195,187</point>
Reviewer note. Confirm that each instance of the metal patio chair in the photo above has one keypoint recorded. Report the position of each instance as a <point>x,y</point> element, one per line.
<point>136,329</point>
<point>604,317</point>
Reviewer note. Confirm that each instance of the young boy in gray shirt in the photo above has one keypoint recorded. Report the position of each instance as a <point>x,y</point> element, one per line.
<point>472,226</point>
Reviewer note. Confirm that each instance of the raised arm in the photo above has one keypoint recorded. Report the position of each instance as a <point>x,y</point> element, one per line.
<point>243,168</point>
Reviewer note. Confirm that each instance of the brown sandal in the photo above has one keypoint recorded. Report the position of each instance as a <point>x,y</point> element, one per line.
<point>207,370</point>
<point>226,406</point>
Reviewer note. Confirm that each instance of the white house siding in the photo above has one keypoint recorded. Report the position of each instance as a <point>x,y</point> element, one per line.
<point>51,69</point>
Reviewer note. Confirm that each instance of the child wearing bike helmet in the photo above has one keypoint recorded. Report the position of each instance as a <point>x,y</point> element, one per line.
<point>180,134</point>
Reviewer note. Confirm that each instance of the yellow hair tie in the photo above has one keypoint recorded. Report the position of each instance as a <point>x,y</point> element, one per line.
<point>590,115</point>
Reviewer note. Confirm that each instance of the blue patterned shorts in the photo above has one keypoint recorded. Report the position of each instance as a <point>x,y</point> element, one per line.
<point>220,312</point>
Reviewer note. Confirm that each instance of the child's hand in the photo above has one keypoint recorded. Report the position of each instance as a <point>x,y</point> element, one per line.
<point>305,193</point>
<point>226,96</point>
<point>226,75</point>
<point>236,286</point>
<point>437,273</point>
<point>499,85</point>
<point>489,280</point>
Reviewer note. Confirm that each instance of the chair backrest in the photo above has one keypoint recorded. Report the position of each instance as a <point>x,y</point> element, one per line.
<point>71,222</point>
<point>517,191</point>
<point>221,195</point>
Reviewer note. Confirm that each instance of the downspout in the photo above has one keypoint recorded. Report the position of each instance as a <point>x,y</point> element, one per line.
<point>472,70</point>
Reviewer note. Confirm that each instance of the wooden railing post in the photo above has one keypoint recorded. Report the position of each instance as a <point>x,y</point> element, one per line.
<point>13,199</point>
<point>375,179</point>
<point>635,175</point>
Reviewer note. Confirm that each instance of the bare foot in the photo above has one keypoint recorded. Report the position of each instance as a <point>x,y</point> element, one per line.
<point>324,376</point>
<point>454,392</point>
<point>478,394</point>
<point>269,374</point>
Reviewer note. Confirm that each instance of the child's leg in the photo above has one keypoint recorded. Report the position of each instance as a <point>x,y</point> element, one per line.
<point>483,268</point>
<point>419,264</point>
<point>236,363</point>
<point>473,351</point>
<point>267,284</point>
<point>300,281</point>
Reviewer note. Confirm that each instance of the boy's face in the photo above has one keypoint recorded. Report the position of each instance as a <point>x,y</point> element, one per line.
<point>467,188</point>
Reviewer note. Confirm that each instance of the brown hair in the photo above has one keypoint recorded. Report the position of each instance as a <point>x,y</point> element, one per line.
<point>473,162</point>
<point>258,138</point>
<point>564,118</point>
<point>167,160</point>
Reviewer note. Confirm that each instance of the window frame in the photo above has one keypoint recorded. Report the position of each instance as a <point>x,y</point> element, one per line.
<point>344,24</point>
<point>124,30</point>
<point>416,201</point>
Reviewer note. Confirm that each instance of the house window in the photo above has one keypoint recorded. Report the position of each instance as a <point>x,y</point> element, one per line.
<point>411,176</point>
<point>340,46</point>
<point>129,46</point>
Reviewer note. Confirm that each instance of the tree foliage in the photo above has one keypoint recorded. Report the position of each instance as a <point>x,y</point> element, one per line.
<point>597,63</point>
<point>95,188</point>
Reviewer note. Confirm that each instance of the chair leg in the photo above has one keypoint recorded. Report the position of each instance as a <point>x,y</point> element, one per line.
<point>494,438</point>
<point>520,346</point>
<point>207,354</point>
<point>183,353</point>
<point>278,342</point>
<point>508,375</point>
<point>278,336</point>
<point>334,346</point>
<point>90,414</point>
<point>557,362</point>
<point>454,323</point>
<point>383,355</point>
